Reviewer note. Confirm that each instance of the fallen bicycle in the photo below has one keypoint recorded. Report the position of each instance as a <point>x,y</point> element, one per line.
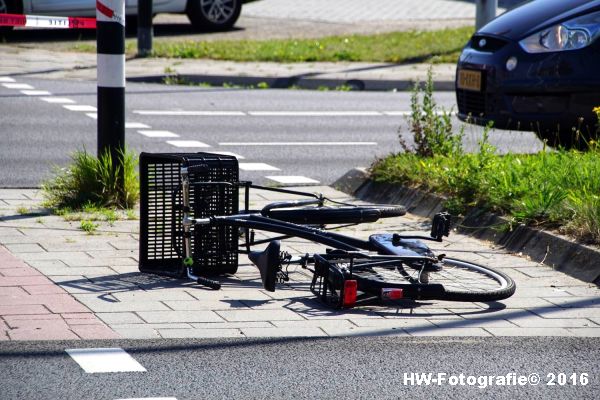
<point>191,226</point>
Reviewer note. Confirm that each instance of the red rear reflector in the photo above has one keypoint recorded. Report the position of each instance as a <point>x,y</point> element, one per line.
<point>350,288</point>
<point>392,294</point>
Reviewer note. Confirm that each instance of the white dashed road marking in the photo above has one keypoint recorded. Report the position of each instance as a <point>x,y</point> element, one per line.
<point>136,125</point>
<point>92,115</point>
<point>291,180</point>
<point>257,167</point>
<point>228,153</point>
<point>158,134</point>
<point>6,79</point>
<point>191,113</point>
<point>186,143</point>
<point>314,113</point>
<point>36,92</point>
<point>103,360</point>
<point>79,107</point>
<point>205,113</point>
<point>57,100</point>
<point>17,86</point>
<point>298,144</point>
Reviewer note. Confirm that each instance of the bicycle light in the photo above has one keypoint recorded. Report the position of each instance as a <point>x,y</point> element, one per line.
<point>391,294</point>
<point>350,289</point>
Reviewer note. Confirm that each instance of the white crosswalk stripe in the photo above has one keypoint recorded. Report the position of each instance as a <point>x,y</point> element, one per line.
<point>187,143</point>
<point>80,107</point>
<point>292,180</point>
<point>17,86</point>
<point>103,360</point>
<point>57,100</point>
<point>157,134</point>
<point>257,167</point>
<point>36,92</point>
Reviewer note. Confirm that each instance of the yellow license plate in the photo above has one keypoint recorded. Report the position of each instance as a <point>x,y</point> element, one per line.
<point>469,80</point>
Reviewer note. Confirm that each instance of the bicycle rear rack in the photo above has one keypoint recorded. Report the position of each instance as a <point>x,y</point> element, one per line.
<point>213,190</point>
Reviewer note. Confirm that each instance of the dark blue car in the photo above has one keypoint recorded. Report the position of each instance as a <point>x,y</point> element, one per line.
<point>535,68</point>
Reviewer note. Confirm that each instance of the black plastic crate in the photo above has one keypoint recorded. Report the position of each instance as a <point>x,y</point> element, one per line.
<point>214,187</point>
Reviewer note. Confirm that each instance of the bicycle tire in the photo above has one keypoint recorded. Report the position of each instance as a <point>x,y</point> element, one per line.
<point>458,280</point>
<point>335,215</point>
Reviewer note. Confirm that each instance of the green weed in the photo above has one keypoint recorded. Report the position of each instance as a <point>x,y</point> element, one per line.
<point>88,226</point>
<point>93,182</point>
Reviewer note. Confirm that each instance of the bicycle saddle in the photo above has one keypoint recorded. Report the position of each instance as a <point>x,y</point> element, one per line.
<point>267,262</point>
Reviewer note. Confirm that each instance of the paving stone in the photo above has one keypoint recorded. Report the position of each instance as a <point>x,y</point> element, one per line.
<point>517,303</point>
<point>474,323</point>
<point>103,306</point>
<point>23,280</point>
<point>584,289</point>
<point>530,332</point>
<point>95,331</point>
<point>32,324</point>
<point>283,332</point>
<point>137,333</point>
<point>200,333</point>
<point>576,302</point>
<point>568,312</point>
<point>25,271</point>
<point>429,313</point>
<point>585,332</point>
<point>99,262</point>
<point>233,325</point>
<point>179,316</point>
<point>341,331</point>
<point>25,248</point>
<point>170,325</point>
<point>447,332</point>
<point>196,305</point>
<point>42,334</point>
<point>539,322</point>
<point>154,295</point>
<point>398,323</point>
<point>22,309</point>
<point>43,289</point>
<point>259,315</point>
<point>76,271</point>
<point>120,318</point>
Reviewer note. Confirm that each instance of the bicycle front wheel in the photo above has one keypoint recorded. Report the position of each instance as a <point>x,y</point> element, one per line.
<point>454,280</point>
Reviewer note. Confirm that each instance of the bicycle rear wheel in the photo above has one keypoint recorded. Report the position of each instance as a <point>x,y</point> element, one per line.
<point>336,215</point>
<point>453,280</point>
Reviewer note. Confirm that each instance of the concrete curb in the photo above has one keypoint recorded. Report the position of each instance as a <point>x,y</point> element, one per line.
<point>560,253</point>
<point>286,82</point>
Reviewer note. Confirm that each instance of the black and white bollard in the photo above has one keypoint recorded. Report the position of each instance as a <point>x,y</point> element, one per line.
<point>110,31</point>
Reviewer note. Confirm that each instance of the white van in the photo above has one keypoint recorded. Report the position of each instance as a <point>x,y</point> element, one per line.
<point>205,15</point>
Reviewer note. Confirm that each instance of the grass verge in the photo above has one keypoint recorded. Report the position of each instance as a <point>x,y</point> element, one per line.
<point>553,188</point>
<point>397,47</point>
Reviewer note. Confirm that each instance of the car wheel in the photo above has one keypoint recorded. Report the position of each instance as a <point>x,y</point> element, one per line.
<point>9,7</point>
<point>213,15</point>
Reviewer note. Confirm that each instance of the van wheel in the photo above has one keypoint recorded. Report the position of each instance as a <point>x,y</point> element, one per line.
<point>213,15</point>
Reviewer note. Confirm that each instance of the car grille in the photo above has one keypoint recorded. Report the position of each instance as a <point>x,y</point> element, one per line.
<point>490,44</point>
<point>470,103</point>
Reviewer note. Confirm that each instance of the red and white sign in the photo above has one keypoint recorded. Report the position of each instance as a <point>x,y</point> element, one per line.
<point>41,21</point>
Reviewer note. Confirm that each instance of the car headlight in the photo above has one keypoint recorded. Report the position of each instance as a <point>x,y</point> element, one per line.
<point>570,35</point>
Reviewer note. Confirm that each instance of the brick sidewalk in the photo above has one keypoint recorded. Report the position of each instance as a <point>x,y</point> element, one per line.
<point>108,297</point>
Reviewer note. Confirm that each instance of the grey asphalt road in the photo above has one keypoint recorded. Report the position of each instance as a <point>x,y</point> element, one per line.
<point>316,135</point>
<point>352,368</point>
